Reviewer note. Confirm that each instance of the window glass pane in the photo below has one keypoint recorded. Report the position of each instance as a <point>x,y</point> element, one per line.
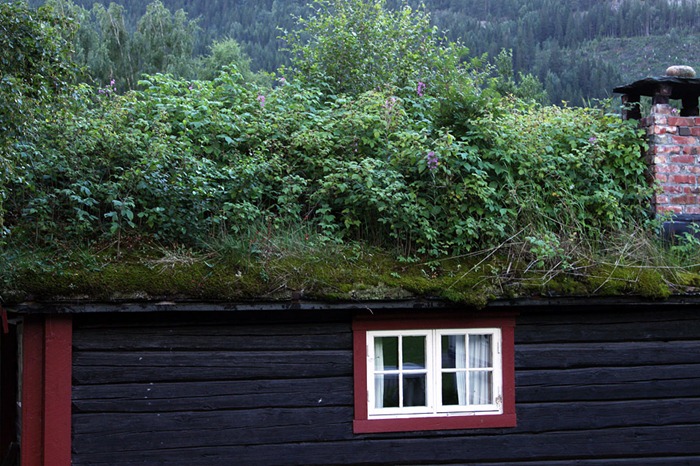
<point>448,351</point>
<point>386,353</point>
<point>386,388</point>
<point>480,387</point>
<point>454,388</point>
<point>480,351</point>
<point>413,352</point>
<point>414,390</point>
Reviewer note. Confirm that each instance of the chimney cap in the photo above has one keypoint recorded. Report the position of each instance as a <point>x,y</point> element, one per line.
<point>681,87</point>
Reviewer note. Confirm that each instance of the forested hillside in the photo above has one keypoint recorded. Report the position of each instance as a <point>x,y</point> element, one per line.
<point>578,49</point>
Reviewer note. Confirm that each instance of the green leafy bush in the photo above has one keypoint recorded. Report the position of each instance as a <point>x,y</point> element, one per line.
<point>420,154</point>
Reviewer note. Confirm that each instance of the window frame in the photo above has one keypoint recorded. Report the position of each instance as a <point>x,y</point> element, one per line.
<point>369,420</point>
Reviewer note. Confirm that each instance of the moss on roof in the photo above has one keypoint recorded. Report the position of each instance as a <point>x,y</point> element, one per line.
<point>339,274</point>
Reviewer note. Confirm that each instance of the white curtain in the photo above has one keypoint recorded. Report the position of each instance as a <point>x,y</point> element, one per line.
<point>461,363</point>
<point>378,378</point>
<point>480,358</point>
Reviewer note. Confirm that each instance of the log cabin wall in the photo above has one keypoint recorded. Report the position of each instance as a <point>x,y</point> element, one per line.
<point>602,386</point>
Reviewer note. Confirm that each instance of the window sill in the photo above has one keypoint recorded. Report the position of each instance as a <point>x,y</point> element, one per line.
<point>479,421</point>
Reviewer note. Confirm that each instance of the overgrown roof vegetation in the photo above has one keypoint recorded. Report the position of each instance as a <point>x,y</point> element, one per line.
<point>351,178</point>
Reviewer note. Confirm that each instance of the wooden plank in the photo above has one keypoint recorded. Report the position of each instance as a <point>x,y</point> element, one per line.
<point>665,461</point>
<point>215,395</point>
<point>608,383</point>
<point>633,443</point>
<point>545,417</point>
<point>572,355</point>
<point>100,316</point>
<point>123,432</point>
<point>101,367</point>
<point>140,341</point>
<point>604,315</point>
<point>118,433</point>
<point>598,331</point>
<point>32,392</point>
<point>58,331</point>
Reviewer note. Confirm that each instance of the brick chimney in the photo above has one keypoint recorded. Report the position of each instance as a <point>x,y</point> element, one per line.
<point>674,142</point>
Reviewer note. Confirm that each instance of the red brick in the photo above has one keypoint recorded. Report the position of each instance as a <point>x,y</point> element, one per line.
<point>665,129</point>
<point>683,179</point>
<point>668,149</point>
<point>666,168</point>
<point>691,150</point>
<point>661,178</point>
<point>659,159</point>
<point>693,210</point>
<point>686,140</point>
<point>675,209</point>
<point>680,121</point>
<point>675,189</point>
<point>682,159</point>
<point>685,199</point>
<point>695,130</point>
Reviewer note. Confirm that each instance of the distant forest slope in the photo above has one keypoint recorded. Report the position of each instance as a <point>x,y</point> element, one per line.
<point>579,49</point>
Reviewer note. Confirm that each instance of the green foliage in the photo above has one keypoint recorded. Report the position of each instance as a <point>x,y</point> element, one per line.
<point>424,157</point>
<point>225,52</point>
<point>35,68</point>
<point>191,161</point>
<point>34,65</point>
<point>355,46</point>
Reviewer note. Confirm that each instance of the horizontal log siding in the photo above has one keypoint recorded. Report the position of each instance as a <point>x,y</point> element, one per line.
<point>604,387</point>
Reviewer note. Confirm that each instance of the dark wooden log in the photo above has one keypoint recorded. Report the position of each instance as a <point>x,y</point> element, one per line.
<point>591,330</point>
<point>609,383</point>
<point>214,395</point>
<point>617,354</point>
<point>590,416</point>
<point>168,366</point>
<point>124,432</point>
<point>209,337</point>
<point>118,433</point>
<point>632,443</point>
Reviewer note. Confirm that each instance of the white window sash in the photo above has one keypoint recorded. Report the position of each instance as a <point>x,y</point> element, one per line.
<point>466,351</point>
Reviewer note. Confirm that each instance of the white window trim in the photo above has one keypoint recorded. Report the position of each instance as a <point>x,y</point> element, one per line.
<point>433,368</point>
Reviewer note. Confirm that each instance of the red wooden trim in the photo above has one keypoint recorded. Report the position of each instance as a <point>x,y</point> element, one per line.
<point>504,321</point>
<point>508,370</point>
<point>46,391</point>
<point>422,321</point>
<point>371,426</point>
<point>32,392</point>
<point>57,389</point>
<point>360,367</point>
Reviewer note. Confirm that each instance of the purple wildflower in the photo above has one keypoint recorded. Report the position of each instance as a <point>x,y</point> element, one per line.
<point>420,89</point>
<point>432,160</point>
<point>592,139</point>
<point>261,99</point>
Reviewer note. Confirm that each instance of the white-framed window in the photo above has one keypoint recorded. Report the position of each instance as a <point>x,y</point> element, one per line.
<point>434,372</point>
<point>426,373</point>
